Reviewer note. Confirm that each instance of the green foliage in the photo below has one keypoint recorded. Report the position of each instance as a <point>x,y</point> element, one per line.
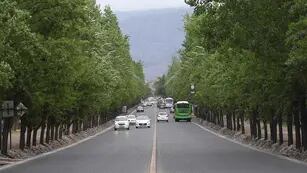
<point>66,59</point>
<point>159,86</point>
<point>237,54</point>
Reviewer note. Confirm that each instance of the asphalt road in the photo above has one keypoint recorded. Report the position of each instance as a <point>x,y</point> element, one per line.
<point>181,148</point>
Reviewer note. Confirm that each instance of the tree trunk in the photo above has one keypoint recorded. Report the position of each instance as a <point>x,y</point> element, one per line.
<point>22,139</point>
<point>303,120</point>
<point>52,131</point>
<point>92,120</point>
<point>242,122</point>
<point>61,131</point>
<point>253,124</point>
<point>281,135</point>
<point>43,127</point>
<point>230,121</point>
<point>74,126</point>
<point>29,134</point>
<point>97,121</point>
<point>56,134</point>
<point>67,127</point>
<point>218,118</point>
<point>34,137</point>
<point>214,117</point>
<point>290,128</point>
<point>234,121</point>
<point>297,127</point>
<point>48,132</point>
<point>80,125</point>
<point>6,130</point>
<point>238,123</point>
<point>273,127</point>
<point>251,127</point>
<point>101,119</point>
<point>265,127</point>
<point>222,118</point>
<point>259,134</point>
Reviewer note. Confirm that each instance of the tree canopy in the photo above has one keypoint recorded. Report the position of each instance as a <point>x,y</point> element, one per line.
<point>244,55</point>
<point>65,60</point>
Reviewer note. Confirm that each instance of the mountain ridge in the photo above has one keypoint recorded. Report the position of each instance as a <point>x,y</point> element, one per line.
<point>155,36</point>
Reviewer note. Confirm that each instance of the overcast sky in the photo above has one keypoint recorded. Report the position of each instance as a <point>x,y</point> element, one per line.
<point>136,5</point>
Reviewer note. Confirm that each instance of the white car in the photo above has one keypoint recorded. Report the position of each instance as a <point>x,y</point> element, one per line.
<point>162,116</point>
<point>121,122</point>
<point>131,119</point>
<point>172,110</point>
<point>142,121</point>
<point>139,109</point>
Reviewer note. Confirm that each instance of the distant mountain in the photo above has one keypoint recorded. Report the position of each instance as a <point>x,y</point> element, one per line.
<point>155,36</point>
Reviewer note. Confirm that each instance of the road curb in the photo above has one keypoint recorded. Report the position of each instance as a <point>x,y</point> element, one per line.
<point>251,147</point>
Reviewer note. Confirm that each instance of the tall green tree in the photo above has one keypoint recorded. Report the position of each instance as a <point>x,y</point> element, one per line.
<point>246,58</point>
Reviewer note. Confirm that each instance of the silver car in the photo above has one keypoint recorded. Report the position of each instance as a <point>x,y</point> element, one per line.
<point>142,121</point>
<point>121,122</point>
<point>131,119</point>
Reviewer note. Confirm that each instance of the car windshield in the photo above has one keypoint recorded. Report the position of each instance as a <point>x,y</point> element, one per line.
<point>121,118</point>
<point>169,100</point>
<point>131,116</point>
<point>142,118</point>
<point>162,113</point>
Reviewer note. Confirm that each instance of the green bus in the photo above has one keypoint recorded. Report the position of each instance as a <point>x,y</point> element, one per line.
<point>183,111</point>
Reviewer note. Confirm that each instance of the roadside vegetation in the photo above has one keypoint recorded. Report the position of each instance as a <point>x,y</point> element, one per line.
<point>68,62</point>
<point>248,61</point>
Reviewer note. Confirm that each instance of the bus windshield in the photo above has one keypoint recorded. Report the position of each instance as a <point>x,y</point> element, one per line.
<point>183,105</point>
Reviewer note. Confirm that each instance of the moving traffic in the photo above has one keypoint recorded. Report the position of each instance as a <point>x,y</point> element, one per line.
<point>153,86</point>
<point>132,150</point>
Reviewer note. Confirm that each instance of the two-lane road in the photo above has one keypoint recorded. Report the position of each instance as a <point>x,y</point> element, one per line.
<point>181,148</point>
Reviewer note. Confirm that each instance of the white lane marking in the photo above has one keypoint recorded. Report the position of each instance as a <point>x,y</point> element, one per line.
<point>153,164</point>
<point>251,147</point>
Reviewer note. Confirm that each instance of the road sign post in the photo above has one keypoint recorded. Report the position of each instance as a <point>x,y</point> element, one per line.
<point>8,111</point>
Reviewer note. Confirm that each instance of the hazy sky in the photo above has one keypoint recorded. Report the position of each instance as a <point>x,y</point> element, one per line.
<point>136,5</point>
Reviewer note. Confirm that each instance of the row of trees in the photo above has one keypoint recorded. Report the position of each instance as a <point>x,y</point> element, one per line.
<point>248,60</point>
<point>68,62</point>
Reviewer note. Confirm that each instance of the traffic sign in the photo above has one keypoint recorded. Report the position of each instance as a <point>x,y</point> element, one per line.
<point>7,109</point>
<point>21,109</point>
